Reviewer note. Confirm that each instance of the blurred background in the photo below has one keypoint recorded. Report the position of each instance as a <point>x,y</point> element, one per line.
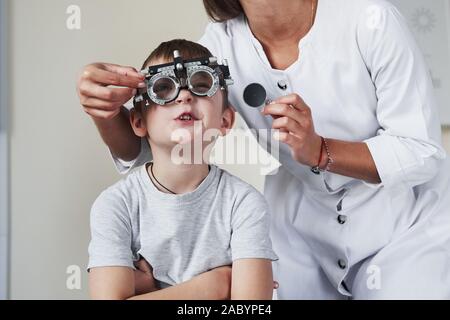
<point>52,162</point>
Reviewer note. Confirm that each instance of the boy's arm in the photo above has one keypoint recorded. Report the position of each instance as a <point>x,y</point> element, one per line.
<point>252,279</point>
<point>119,284</point>
<point>111,283</point>
<point>251,248</point>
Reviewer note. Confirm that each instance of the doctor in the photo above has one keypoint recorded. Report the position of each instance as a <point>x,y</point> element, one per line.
<point>355,103</point>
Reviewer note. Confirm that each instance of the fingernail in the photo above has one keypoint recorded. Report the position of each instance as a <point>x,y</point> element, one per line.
<point>142,85</point>
<point>263,110</point>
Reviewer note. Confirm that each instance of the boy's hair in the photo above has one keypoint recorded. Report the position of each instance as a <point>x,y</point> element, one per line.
<point>188,50</point>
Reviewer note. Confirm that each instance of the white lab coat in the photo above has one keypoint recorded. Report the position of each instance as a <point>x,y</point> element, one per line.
<point>364,78</point>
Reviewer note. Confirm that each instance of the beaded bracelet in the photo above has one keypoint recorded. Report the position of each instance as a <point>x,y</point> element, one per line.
<point>317,170</point>
<point>330,160</point>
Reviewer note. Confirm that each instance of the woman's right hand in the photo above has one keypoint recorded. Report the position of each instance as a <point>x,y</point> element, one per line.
<point>98,98</point>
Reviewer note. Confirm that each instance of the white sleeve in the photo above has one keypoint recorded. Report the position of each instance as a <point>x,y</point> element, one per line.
<point>407,149</point>
<point>124,167</point>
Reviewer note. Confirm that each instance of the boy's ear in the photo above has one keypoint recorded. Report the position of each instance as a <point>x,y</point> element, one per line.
<point>228,118</point>
<point>138,123</point>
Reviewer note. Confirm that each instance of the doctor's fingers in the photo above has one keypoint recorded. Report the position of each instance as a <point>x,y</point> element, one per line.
<point>93,90</point>
<point>108,74</point>
<point>289,125</point>
<point>101,105</point>
<point>286,110</point>
<point>295,101</point>
<point>291,140</point>
<point>123,70</point>
<point>102,114</point>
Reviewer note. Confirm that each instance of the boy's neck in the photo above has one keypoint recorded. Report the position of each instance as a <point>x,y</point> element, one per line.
<point>178,178</point>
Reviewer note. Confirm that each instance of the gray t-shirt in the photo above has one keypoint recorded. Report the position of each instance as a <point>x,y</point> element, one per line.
<point>181,236</point>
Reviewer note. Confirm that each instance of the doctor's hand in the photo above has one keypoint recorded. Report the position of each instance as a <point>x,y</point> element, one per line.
<point>296,128</point>
<point>98,98</point>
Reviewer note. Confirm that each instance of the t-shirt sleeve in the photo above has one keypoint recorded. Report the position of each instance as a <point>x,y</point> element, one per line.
<point>250,238</point>
<point>111,233</point>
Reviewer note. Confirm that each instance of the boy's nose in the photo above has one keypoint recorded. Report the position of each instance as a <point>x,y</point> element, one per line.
<point>184,97</point>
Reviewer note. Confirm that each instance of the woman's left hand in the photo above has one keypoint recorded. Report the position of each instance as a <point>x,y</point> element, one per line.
<point>294,120</point>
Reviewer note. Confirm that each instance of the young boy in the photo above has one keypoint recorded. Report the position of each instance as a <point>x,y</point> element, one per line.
<point>203,233</point>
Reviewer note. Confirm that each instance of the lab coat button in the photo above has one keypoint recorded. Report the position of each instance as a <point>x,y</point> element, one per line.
<point>342,264</point>
<point>342,219</point>
<point>282,85</point>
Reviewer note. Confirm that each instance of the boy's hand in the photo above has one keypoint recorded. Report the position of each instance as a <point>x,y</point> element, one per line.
<point>144,266</point>
<point>98,99</point>
<point>143,277</point>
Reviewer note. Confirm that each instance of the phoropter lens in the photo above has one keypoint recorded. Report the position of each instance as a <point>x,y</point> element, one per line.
<point>201,82</point>
<point>165,89</point>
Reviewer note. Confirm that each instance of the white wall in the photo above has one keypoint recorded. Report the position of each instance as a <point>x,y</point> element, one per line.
<point>58,163</point>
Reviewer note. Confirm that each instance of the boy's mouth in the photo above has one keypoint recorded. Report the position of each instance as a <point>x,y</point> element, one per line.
<point>186,117</point>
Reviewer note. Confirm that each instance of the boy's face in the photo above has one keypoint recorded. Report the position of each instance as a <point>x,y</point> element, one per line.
<point>180,120</point>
